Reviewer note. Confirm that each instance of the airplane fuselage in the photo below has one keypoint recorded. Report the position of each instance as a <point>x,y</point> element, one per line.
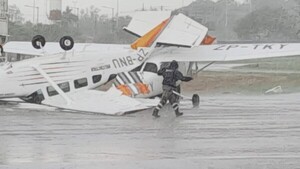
<point>71,71</point>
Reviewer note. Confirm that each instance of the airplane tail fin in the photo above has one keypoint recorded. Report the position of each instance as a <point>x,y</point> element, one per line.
<point>148,39</point>
<point>208,40</point>
<point>179,30</point>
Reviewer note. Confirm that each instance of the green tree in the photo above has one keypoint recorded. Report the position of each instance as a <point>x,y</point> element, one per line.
<point>14,14</point>
<point>267,24</point>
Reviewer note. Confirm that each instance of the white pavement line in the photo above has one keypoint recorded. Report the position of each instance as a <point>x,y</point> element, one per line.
<point>247,157</point>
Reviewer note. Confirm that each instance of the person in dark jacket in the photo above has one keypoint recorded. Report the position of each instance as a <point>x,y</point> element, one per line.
<point>171,75</point>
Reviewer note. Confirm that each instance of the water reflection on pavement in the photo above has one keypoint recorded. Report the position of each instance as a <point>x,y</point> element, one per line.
<point>225,132</point>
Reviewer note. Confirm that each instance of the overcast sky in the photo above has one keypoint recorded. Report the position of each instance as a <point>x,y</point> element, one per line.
<point>126,7</point>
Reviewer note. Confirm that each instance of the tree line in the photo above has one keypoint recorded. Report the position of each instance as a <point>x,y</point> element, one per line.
<point>89,26</point>
<point>260,20</point>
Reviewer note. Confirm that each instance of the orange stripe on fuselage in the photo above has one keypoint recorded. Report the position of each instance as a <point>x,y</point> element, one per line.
<point>149,38</point>
<point>143,88</point>
<point>125,90</point>
<point>208,40</point>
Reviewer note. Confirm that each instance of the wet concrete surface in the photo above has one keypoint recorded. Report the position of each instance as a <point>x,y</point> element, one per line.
<point>226,131</point>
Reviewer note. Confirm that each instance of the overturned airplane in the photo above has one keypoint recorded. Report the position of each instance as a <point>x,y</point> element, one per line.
<point>64,76</point>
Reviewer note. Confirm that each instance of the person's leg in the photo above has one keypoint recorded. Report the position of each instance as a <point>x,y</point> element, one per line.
<point>162,102</point>
<point>174,102</point>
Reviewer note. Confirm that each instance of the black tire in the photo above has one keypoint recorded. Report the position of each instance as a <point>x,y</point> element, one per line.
<point>196,100</point>
<point>66,43</point>
<point>37,41</point>
<point>1,49</point>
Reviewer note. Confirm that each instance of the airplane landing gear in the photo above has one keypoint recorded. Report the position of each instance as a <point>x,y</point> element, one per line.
<point>1,50</point>
<point>66,43</point>
<point>196,100</point>
<point>38,41</point>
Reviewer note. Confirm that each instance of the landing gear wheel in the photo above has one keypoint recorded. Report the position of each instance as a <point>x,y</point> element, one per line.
<point>1,50</point>
<point>66,43</point>
<point>196,100</point>
<point>38,41</point>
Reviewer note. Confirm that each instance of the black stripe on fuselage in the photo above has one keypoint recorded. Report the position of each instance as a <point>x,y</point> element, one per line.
<point>124,78</point>
<point>135,77</point>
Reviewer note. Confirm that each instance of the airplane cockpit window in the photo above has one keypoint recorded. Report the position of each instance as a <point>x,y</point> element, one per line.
<point>36,97</point>
<point>151,67</point>
<point>97,78</point>
<point>79,83</point>
<point>137,68</point>
<point>65,87</point>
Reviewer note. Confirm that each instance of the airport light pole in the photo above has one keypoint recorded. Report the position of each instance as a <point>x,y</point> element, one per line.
<point>112,16</point>
<point>38,11</point>
<point>117,15</point>
<point>77,14</point>
<point>112,9</point>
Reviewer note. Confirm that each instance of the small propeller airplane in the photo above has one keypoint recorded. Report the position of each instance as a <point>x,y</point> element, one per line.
<point>64,76</point>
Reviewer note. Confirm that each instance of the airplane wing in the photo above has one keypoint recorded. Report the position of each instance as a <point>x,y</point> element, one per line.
<point>228,52</point>
<point>182,31</point>
<point>179,30</point>
<point>112,102</point>
<point>54,48</point>
<point>142,22</point>
<point>27,49</point>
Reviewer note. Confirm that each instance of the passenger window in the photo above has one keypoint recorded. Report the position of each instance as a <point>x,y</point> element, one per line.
<point>65,87</point>
<point>97,78</point>
<point>150,67</point>
<point>80,83</point>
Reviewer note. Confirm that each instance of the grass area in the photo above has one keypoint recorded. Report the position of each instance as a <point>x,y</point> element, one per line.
<point>276,64</point>
<point>250,81</point>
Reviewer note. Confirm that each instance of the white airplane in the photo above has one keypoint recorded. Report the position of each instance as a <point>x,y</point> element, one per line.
<point>65,79</point>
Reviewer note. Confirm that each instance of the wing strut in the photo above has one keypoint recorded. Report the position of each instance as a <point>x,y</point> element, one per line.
<point>52,83</point>
<point>205,67</point>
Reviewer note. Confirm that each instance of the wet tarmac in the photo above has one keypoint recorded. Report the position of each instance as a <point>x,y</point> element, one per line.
<point>226,132</point>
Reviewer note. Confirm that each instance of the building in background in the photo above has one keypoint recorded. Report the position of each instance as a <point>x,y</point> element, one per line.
<point>55,10</point>
<point>3,21</point>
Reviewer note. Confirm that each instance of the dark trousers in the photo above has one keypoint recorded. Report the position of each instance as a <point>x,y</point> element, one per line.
<point>168,95</point>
